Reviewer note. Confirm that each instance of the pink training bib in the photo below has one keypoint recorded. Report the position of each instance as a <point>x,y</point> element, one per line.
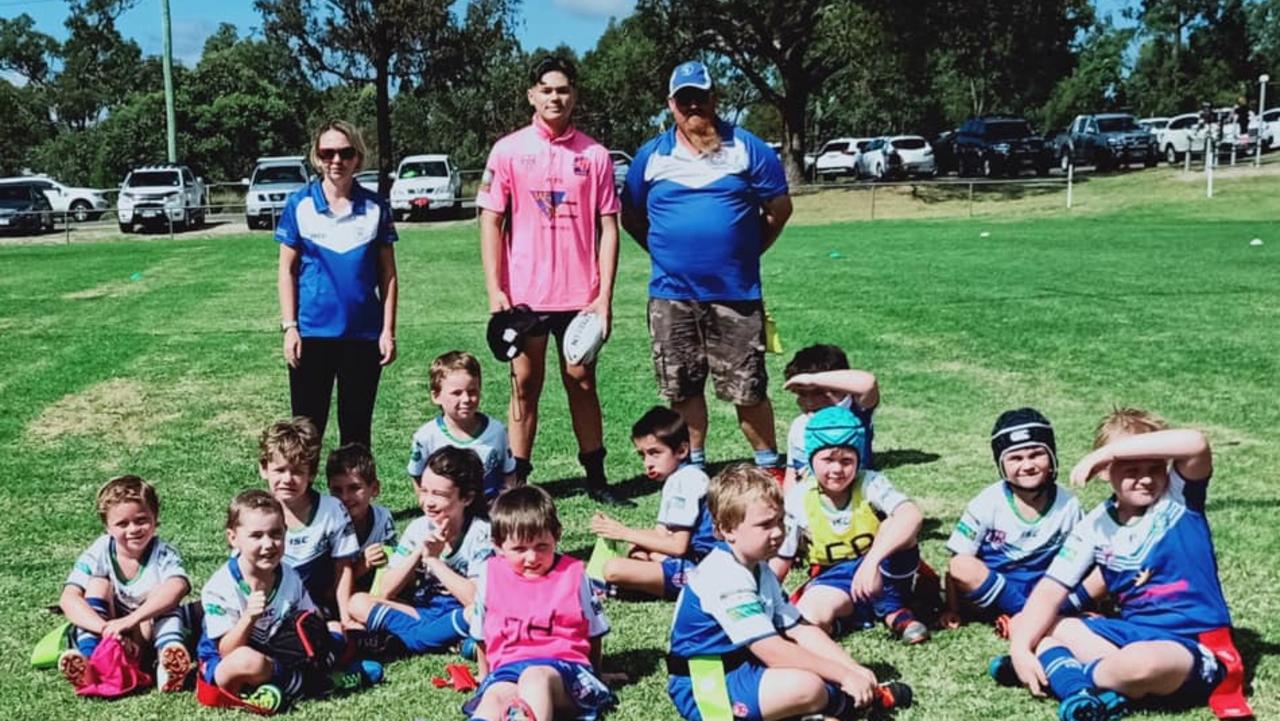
<point>552,191</point>
<point>539,617</point>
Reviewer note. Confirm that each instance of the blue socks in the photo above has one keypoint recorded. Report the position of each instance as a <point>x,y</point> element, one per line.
<point>991,592</point>
<point>1066,674</point>
<point>698,456</point>
<point>767,458</point>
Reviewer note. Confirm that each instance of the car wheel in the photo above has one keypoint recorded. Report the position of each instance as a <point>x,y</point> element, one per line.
<point>80,211</point>
<point>126,227</point>
<point>1171,156</point>
<point>1042,169</point>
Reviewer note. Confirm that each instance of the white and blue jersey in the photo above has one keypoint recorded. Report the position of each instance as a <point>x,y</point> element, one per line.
<point>490,444</point>
<point>798,460</point>
<point>1160,567</point>
<point>995,531</point>
<point>466,560</point>
<point>312,550</point>
<point>726,606</point>
<point>705,233</point>
<point>226,594</point>
<point>382,531</point>
<point>684,508</point>
<point>338,261</point>
<point>160,562</point>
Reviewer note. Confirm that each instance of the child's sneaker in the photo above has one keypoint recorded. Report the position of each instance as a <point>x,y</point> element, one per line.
<point>172,667</point>
<point>266,697</point>
<point>467,649</point>
<point>73,666</point>
<point>1001,670</point>
<point>907,627</point>
<point>357,676</point>
<point>518,710</point>
<point>1117,705</point>
<point>1082,706</point>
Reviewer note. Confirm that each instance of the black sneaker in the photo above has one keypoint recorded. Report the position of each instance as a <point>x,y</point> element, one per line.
<point>603,495</point>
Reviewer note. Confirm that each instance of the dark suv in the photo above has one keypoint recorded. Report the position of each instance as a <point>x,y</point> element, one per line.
<point>993,145</point>
<point>23,206</point>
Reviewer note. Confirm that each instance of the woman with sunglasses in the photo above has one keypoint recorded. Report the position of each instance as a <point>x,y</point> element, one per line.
<point>337,287</point>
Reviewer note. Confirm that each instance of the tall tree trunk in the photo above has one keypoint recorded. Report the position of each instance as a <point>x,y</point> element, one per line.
<point>792,111</point>
<point>382,81</point>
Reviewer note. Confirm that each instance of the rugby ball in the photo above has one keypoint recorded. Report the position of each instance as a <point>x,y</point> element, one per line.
<point>583,338</point>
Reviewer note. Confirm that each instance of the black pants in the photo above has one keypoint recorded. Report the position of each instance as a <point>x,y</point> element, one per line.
<point>356,364</point>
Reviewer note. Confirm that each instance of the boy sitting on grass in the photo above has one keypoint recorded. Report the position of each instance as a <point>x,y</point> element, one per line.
<point>1152,541</point>
<point>733,610</point>
<point>660,557</point>
<point>820,376</point>
<point>353,480</point>
<point>855,532</point>
<point>1012,529</point>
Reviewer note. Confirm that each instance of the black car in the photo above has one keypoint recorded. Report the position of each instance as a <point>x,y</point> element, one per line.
<point>23,206</point>
<point>944,152</point>
<point>992,145</point>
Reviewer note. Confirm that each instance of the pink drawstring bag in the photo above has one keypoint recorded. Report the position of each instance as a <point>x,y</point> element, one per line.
<point>112,672</point>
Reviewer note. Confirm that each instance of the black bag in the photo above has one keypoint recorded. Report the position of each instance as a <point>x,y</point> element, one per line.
<point>508,329</point>
<point>302,642</point>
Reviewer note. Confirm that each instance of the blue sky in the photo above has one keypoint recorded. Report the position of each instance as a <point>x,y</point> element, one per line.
<point>547,23</point>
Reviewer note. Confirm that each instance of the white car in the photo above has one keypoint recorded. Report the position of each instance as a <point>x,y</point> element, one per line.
<point>1270,128</point>
<point>161,194</point>
<point>838,156</point>
<point>1183,134</point>
<point>1156,126</point>
<point>899,155</point>
<point>425,182</point>
<point>82,204</point>
<point>273,181</point>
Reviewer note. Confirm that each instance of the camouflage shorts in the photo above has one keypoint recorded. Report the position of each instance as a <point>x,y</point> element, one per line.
<point>725,338</point>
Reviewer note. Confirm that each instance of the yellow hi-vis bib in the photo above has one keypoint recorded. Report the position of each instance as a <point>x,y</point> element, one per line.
<point>826,546</point>
<point>710,692</point>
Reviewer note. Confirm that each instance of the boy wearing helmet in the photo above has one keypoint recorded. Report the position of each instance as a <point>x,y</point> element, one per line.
<point>1011,531</point>
<point>855,531</point>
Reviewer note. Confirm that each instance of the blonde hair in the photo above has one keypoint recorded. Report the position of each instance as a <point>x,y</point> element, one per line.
<point>296,440</point>
<point>1123,422</point>
<point>353,136</point>
<point>254,499</point>
<point>523,513</point>
<point>127,489</point>
<point>454,360</point>
<point>735,488</point>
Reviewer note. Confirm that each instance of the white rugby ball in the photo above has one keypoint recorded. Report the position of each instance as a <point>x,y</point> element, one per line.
<point>583,338</point>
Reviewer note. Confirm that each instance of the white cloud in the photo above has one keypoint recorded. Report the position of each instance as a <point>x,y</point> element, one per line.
<point>596,8</point>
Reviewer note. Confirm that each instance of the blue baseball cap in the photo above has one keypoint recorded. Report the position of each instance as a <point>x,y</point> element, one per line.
<point>691,74</point>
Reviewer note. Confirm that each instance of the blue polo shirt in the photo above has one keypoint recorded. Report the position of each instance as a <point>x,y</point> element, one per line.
<point>705,232</point>
<point>338,265</point>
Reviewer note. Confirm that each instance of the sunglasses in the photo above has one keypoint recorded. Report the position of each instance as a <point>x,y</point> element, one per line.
<point>326,154</point>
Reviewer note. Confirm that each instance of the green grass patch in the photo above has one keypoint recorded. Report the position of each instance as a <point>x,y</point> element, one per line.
<point>162,358</point>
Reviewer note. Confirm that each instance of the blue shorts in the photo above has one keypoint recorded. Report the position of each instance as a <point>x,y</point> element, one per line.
<point>586,689</point>
<point>898,571</point>
<point>1206,673</point>
<point>743,685</point>
<point>441,624</point>
<point>675,572</point>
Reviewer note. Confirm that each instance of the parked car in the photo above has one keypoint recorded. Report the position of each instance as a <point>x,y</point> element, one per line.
<point>1106,140</point>
<point>1155,125</point>
<point>621,166</point>
<point>24,206</point>
<point>838,156</point>
<point>944,152</point>
<point>274,179</point>
<point>1183,134</point>
<point>991,145</point>
<point>1271,128</point>
<point>368,179</point>
<point>425,182</point>
<point>82,204</point>
<point>159,194</point>
<point>897,156</point>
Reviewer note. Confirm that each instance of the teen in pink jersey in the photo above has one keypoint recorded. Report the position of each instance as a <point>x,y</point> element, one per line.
<point>537,620</point>
<point>549,239</point>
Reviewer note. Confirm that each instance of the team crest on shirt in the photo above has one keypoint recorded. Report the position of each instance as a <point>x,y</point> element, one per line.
<point>995,537</point>
<point>581,166</point>
<point>549,201</point>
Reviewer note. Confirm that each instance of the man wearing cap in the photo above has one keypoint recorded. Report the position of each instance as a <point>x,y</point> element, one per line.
<point>706,199</point>
<point>549,240</point>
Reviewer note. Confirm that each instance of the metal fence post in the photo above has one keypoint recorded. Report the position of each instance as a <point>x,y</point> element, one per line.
<point>1071,172</point>
<point>66,226</point>
<point>970,198</point>
<point>1186,159</point>
<point>1210,159</point>
<point>873,202</point>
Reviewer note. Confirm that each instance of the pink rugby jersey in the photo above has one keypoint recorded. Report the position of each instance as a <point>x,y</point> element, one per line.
<point>551,190</point>
<point>539,617</point>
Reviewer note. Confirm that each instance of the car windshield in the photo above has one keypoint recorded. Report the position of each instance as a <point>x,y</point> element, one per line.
<point>1009,130</point>
<point>428,168</point>
<point>909,143</point>
<point>11,193</point>
<point>1157,124</point>
<point>279,175</point>
<point>154,178</point>
<point>1116,125</point>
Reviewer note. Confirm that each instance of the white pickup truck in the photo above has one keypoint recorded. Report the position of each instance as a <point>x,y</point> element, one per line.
<point>155,195</point>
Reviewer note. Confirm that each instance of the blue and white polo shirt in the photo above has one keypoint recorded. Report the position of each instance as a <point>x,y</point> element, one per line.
<point>705,233</point>
<point>338,267</point>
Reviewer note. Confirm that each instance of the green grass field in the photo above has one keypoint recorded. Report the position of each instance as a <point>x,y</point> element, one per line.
<point>162,358</point>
